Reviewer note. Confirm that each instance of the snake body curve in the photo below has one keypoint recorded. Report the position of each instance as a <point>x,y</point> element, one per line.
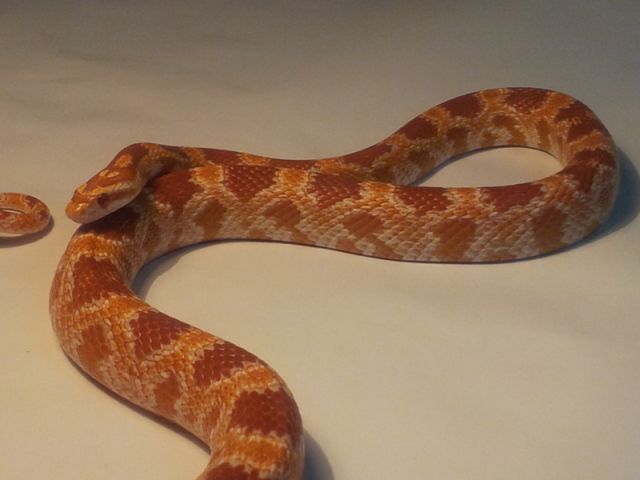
<point>22,214</point>
<point>153,199</point>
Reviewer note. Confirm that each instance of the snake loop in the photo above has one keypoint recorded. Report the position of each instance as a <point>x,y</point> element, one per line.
<point>22,214</point>
<point>152,199</point>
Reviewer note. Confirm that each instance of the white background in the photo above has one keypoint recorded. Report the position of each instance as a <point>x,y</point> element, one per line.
<point>524,370</point>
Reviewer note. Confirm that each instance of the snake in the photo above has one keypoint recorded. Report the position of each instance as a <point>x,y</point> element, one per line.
<point>22,214</point>
<point>152,199</point>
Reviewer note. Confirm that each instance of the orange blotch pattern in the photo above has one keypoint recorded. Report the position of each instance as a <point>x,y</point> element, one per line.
<point>166,394</point>
<point>227,472</point>
<point>547,229</point>
<point>245,181</point>
<point>423,200</point>
<point>455,235</point>
<point>152,330</point>
<point>526,100</point>
<point>219,361</point>
<point>175,190</point>
<point>419,127</point>
<point>505,198</point>
<point>464,106</point>
<point>93,348</point>
<point>328,190</point>
<point>96,279</point>
<point>269,412</point>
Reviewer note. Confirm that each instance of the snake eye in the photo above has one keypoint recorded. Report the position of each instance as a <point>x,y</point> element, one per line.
<point>102,199</point>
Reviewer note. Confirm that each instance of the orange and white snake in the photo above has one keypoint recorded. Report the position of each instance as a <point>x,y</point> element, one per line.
<point>152,199</point>
<point>22,214</point>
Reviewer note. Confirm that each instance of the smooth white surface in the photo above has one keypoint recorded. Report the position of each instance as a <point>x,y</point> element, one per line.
<point>524,370</point>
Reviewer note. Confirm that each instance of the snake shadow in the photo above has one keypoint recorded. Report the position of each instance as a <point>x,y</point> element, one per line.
<point>11,241</point>
<point>626,208</point>
<point>627,203</point>
<point>316,463</point>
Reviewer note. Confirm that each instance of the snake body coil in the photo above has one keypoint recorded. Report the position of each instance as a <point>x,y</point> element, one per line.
<point>153,199</point>
<point>22,214</point>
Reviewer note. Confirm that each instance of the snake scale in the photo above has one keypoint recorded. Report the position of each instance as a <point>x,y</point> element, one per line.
<point>152,199</point>
<point>22,214</point>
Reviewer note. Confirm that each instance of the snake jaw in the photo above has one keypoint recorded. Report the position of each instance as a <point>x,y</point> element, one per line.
<point>89,206</point>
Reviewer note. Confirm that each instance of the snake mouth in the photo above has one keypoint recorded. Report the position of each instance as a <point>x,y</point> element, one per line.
<point>76,211</point>
<point>86,207</point>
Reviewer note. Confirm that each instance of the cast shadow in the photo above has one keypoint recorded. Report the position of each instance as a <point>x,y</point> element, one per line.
<point>627,203</point>
<point>316,463</point>
<point>10,241</point>
<point>152,270</point>
<point>149,272</point>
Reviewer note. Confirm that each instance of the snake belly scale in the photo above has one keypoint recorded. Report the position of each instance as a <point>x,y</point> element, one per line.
<point>152,199</point>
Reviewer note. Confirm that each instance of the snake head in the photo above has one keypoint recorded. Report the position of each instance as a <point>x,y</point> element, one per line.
<point>123,179</point>
<point>104,193</point>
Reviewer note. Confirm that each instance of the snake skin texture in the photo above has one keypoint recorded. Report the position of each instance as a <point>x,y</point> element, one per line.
<point>152,199</point>
<point>22,214</point>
